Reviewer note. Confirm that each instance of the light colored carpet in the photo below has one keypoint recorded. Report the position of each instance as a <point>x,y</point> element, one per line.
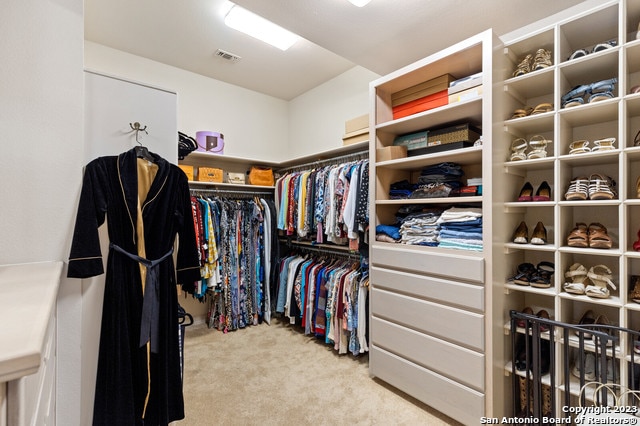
<point>275,375</point>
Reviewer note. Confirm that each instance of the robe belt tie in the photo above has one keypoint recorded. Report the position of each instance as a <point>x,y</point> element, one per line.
<point>150,321</point>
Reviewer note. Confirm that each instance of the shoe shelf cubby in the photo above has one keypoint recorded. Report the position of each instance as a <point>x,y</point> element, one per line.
<point>607,66</point>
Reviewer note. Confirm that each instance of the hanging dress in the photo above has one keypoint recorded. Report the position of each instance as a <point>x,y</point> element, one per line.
<point>146,205</point>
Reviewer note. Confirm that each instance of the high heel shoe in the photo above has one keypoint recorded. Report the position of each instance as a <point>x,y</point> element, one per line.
<point>521,235</point>
<point>600,277</point>
<point>539,236</point>
<point>578,237</point>
<point>526,193</point>
<point>518,148</point>
<point>598,236</point>
<point>538,145</point>
<point>543,193</point>
<point>636,244</point>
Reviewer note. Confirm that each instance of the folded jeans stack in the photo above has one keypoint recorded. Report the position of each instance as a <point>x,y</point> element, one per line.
<point>439,181</point>
<point>461,228</point>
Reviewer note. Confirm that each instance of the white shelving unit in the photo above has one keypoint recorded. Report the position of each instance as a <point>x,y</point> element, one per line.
<point>618,117</point>
<point>243,164</point>
<point>431,326</point>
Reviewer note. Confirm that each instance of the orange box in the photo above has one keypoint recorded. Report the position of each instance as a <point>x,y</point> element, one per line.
<point>188,170</point>
<point>210,174</point>
<point>423,104</point>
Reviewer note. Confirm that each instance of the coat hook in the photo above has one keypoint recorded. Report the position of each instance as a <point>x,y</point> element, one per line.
<point>135,127</point>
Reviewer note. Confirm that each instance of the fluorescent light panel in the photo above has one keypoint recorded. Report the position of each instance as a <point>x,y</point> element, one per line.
<point>256,26</point>
<point>359,3</point>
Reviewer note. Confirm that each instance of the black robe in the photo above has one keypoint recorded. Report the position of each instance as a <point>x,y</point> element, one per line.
<point>110,186</point>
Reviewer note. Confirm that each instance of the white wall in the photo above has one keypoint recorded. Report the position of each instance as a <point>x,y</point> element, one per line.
<point>254,125</point>
<point>41,103</point>
<point>316,118</point>
<point>41,126</point>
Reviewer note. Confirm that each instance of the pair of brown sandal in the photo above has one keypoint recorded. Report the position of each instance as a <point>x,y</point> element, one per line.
<point>526,111</point>
<point>539,61</point>
<point>594,236</point>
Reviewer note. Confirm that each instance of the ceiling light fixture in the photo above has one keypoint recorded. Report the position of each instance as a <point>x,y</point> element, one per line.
<point>359,3</point>
<point>256,26</point>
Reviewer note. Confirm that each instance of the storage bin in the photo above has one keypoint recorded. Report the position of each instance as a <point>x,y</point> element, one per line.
<point>457,133</point>
<point>238,178</point>
<point>188,170</point>
<point>210,174</point>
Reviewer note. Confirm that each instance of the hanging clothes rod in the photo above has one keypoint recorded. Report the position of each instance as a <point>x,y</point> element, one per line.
<point>360,155</point>
<point>326,249</point>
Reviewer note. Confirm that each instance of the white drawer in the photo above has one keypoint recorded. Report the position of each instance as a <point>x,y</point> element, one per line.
<point>447,263</point>
<point>452,324</point>
<point>451,398</point>
<point>446,291</point>
<point>457,363</point>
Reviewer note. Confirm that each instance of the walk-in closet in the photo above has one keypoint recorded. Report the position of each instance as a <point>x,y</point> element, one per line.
<point>423,213</point>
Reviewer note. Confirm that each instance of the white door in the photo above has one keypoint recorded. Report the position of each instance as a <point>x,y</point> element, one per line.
<point>112,106</point>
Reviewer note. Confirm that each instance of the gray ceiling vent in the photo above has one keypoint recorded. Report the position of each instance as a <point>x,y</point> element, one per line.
<point>227,55</point>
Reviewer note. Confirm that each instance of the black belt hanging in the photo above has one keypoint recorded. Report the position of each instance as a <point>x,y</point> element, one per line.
<point>149,323</point>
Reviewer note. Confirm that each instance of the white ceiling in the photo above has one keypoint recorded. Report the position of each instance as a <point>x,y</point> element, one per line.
<point>382,36</point>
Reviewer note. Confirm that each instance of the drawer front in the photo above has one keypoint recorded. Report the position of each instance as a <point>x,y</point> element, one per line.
<point>451,324</point>
<point>451,398</point>
<point>457,363</point>
<point>469,296</point>
<point>469,267</point>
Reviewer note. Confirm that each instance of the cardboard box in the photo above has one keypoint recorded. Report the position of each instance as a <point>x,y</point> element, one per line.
<point>390,153</point>
<point>465,95</point>
<point>355,137</point>
<point>421,90</point>
<point>411,138</point>
<point>465,83</point>
<point>356,124</point>
<point>188,170</point>
<point>425,103</point>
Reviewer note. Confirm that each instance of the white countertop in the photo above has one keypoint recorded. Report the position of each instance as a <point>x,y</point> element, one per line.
<point>28,295</point>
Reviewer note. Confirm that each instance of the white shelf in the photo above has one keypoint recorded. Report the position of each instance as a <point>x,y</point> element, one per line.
<point>196,183</point>
<point>455,272</point>
<point>618,117</point>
